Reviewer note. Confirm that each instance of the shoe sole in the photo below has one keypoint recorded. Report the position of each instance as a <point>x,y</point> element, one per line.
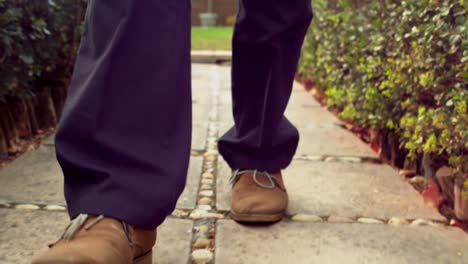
<point>144,259</point>
<point>257,218</point>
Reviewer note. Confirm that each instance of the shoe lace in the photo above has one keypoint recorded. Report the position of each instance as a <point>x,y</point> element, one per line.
<point>255,173</point>
<point>78,222</point>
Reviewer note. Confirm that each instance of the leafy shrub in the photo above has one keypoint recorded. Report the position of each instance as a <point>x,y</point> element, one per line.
<point>38,44</point>
<point>398,66</point>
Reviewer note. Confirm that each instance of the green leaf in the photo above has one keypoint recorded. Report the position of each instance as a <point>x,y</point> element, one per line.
<point>463,74</point>
<point>431,144</point>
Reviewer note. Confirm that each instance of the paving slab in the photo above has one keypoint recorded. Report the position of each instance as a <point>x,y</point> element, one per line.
<point>298,86</point>
<point>342,189</point>
<point>199,73</point>
<point>201,91</point>
<point>199,134</point>
<point>204,82</point>
<point>352,190</point>
<point>49,141</point>
<point>300,97</point>
<point>36,177</point>
<point>304,243</point>
<point>223,186</point>
<point>25,233</point>
<point>201,110</point>
<point>224,76</point>
<point>188,199</point>
<point>225,99</point>
<point>304,117</point>
<point>174,242</point>
<point>331,141</point>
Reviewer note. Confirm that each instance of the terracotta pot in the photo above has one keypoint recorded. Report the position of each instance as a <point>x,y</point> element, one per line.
<point>446,180</point>
<point>461,202</point>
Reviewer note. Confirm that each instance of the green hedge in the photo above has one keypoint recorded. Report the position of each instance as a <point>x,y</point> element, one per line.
<point>398,67</point>
<point>38,44</point>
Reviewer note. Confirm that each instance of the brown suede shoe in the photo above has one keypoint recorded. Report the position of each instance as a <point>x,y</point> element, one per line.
<point>100,240</point>
<point>258,196</point>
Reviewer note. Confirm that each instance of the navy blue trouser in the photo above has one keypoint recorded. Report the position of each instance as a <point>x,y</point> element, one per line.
<point>124,138</point>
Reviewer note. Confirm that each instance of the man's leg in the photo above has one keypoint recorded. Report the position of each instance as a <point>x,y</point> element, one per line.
<point>124,139</point>
<point>266,48</point>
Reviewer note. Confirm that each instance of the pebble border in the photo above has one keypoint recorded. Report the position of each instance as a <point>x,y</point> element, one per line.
<point>396,221</point>
<point>201,213</point>
<point>33,206</point>
<point>345,159</point>
<point>205,214</point>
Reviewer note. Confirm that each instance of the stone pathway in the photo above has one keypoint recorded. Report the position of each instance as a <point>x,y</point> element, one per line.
<point>345,207</point>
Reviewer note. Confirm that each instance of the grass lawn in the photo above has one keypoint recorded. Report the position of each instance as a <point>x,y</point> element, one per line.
<point>213,38</point>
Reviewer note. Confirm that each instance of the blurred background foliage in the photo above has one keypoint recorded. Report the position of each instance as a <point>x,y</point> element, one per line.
<point>38,44</point>
<point>399,68</point>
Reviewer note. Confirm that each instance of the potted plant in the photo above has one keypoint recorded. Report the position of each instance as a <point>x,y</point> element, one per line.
<point>208,19</point>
